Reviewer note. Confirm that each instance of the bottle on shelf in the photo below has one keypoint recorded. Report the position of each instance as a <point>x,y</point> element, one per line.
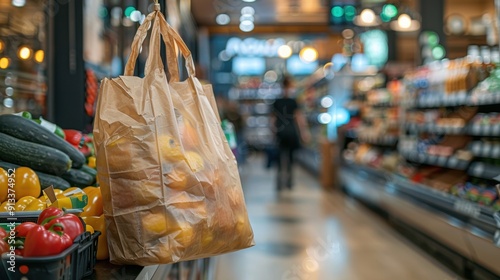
<point>473,64</point>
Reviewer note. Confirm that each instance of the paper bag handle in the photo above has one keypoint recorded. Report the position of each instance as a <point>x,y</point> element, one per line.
<point>170,36</point>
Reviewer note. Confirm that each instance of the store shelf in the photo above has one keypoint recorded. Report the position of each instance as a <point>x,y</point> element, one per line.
<point>447,162</point>
<point>484,130</point>
<point>484,171</point>
<point>467,228</point>
<point>474,130</point>
<point>387,140</point>
<point>453,100</point>
<point>434,128</point>
<point>490,99</point>
<point>484,149</point>
<point>388,104</point>
<point>436,100</point>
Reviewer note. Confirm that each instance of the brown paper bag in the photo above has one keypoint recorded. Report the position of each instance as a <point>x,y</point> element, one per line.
<point>169,180</point>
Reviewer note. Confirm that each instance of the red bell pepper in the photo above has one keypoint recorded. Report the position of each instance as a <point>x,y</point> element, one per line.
<point>71,225</point>
<point>73,136</point>
<point>3,233</point>
<point>42,242</point>
<point>4,247</point>
<point>49,214</point>
<point>23,229</point>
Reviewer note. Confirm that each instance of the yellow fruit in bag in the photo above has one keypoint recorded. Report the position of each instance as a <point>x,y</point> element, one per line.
<point>169,148</point>
<point>178,179</point>
<point>155,224</point>
<point>195,161</point>
<point>190,135</point>
<point>186,234</point>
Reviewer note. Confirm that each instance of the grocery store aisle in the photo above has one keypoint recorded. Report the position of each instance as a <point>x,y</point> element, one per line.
<point>309,234</point>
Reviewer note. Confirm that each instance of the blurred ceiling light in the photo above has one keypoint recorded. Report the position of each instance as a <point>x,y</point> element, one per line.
<point>246,17</point>
<point>308,54</point>
<point>8,102</point>
<point>405,23</point>
<point>284,51</point>
<point>4,63</point>
<point>135,16</point>
<point>249,1</point>
<point>18,3</point>
<point>271,76</point>
<point>24,52</point>
<point>128,11</point>
<point>222,19</point>
<point>247,10</point>
<point>324,118</point>
<point>348,33</point>
<point>39,56</point>
<point>2,46</point>
<point>367,17</point>
<point>326,101</point>
<point>389,11</point>
<point>246,26</point>
<point>224,56</point>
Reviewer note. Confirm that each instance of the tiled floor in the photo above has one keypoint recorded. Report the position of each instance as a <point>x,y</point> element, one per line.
<point>307,234</point>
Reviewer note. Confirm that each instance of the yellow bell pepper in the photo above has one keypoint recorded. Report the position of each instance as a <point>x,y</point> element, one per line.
<point>29,203</point>
<point>26,183</point>
<point>4,207</point>
<point>4,184</point>
<point>92,161</point>
<point>94,205</point>
<point>89,228</point>
<point>99,224</point>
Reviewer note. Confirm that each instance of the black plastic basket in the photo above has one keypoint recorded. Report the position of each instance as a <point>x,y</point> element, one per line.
<point>74,263</point>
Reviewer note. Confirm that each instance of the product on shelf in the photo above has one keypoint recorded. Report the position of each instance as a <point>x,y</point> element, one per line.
<point>371,156</point>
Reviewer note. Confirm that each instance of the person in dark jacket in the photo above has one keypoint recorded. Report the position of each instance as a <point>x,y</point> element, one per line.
<point>290,128</point>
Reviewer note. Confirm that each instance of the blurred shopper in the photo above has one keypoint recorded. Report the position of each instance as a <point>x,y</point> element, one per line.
<point>232,113</point>
<point>290,127</point>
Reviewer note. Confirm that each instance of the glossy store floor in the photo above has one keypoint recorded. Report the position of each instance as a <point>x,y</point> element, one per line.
<point>307,234</point>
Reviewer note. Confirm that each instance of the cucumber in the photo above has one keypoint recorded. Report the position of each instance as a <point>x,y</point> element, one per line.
<point>7,165</point>
<point>35,156</point>
<point>46,180</point>
<point>29,130</point>
<point>89,170</point>
<point>78,178</point>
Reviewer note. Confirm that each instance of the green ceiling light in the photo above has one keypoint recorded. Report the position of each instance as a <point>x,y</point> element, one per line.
<point>389,10</point>
<point>438,52</point>
<point>128,11</point>
<point>337,11</point>
<point>432,39</point>
<point>350,12</point>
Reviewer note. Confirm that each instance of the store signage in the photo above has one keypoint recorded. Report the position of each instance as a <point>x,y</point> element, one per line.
<point>253,47</point>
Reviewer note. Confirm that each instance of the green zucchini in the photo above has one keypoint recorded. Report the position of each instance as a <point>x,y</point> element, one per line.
<point>89,170</point>
<point>29,130</point>
<point>78,178</point>
<point>35,156</point>
<point>46,180</point>
<point>7,165</point>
